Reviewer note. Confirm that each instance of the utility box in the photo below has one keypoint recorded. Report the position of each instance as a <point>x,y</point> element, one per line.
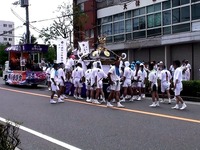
<point>24,3</point>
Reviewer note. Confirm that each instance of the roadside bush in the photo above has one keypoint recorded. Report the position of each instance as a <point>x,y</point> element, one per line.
<point>1,73</point>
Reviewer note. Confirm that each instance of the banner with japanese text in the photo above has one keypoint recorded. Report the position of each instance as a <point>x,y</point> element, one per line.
<point>61,51</point>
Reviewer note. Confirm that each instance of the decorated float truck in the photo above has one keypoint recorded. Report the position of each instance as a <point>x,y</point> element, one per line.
<point>22,68</point>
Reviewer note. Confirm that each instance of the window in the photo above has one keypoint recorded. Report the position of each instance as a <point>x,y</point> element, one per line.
<point>196,11</point>
<point>109,39</point>
<point>107,29</point>
<point>138,12</point>
<point>166,30</point>
<point>10,32</point>
<point>153,32</point>
<point>4,25</point>
<point>91,33</point>
<point>176,15</point>
<point>166,5</point>
<point>82,7</point>
<point>5,39</point>
<point>128,27</point>
<point>142,23</point>
<point>128,14</point>
<point>10,25</point>
<point>181,14</point>
<point>139,23</point>
<point>154,20</point>
<point>119,38</point>
<point>176,3</point>
<point>137,35</point>
<point>185,14</point>
<point>154,8</point>
<point>118,27</point>
<point>10,39</point>
<point>87,34</point>
<point>167,17</point>
<point>5,32</point>
<point>181,28</point>
<point>129,36</point>
<point>184,2</point>
<point>118,17</point>
<point>195,1</point>
<point>106,19</point>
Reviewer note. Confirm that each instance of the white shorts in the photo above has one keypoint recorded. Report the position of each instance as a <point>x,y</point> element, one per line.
<point>92,83</point>
<point>179,88</point>
<point>115,86</point>
<point>48,77</point>
<point>143,85</point>
<point>136,84</point>
<point>61,83</point>
<point>87,85</point>
<point>127,83</point>
<point>54,87</point>
<point>165,86</point>
<point>77,83</point>
<point>100,85</point>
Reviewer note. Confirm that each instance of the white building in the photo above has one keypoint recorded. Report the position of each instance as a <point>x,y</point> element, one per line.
<point>7,32</point>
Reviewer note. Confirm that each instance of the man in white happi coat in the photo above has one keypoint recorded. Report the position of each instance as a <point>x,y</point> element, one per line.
<point>165,83</point>
<point>114,80</point>
<point>78,79</point>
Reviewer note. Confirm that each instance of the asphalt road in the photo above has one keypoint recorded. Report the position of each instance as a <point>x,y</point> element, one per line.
<point>96,127</point>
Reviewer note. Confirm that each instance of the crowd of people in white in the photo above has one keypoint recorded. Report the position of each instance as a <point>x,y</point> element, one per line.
<point>127,81</point>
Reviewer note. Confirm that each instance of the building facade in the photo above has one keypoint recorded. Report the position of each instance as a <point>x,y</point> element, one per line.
<point>150,30</point>
<point>7,32</point>
<point>89,30</point>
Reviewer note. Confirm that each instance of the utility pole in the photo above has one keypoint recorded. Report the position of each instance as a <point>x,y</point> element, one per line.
<point>25,3</point>
<point>27,26</point>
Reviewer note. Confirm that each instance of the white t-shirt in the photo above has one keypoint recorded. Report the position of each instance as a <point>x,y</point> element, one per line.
<point>143,75</point>
<point>127,73</point>
<point>78,73</point>
<point>177,75</point>
<point>88,74</point>
<point>54,75</point>
<point>188,66</point>
<point>153,77</point>
<point>94,73</point>
<point>48,71</point>
<point>61,73</point>
<point>101,74</point>
<point>186,75</point>
<point>165,76</point>
<point>70,63</point>
<point>138,75</point>
<point>114,76</point>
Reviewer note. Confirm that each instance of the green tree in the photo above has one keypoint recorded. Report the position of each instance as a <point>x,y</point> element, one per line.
<point>3,54</point>
<point>50,56</point>
<point>33,40</point>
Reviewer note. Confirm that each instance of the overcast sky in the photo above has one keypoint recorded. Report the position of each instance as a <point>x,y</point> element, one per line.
<point>38,10</point>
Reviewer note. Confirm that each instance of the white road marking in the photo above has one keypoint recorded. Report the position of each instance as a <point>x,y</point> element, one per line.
<point>43,136</point>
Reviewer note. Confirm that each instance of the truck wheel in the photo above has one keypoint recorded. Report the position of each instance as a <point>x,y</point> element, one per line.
<point>34,85</point>
<point>5,79</point>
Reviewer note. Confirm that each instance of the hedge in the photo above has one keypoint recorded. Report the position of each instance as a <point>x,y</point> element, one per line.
<point>191,88</point>
<point>1,73</point>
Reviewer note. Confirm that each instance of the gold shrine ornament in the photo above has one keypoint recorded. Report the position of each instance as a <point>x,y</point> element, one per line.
<point>107,53</point>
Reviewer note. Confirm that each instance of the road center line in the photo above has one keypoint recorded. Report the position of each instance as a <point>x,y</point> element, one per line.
<point>122,109</point>
<point>43,136</point>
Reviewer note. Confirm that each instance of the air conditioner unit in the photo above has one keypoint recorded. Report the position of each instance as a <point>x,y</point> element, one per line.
<point>24,3</point>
